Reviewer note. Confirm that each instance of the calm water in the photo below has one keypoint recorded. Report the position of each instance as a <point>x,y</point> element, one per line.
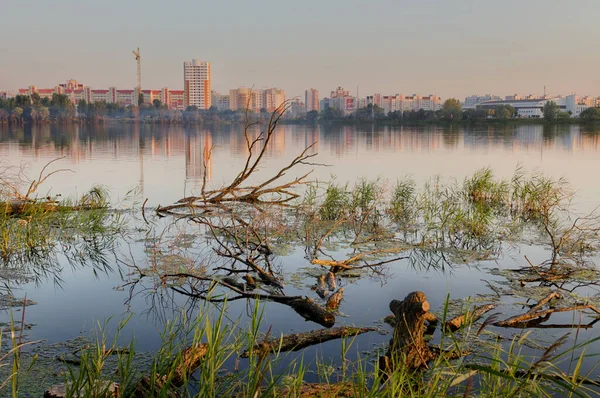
<point>163,164</point>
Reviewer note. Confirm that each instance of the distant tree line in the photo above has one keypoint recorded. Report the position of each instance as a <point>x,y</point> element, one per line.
<point>25,108</point>
<point>451,111</point>
<point>33,109</point>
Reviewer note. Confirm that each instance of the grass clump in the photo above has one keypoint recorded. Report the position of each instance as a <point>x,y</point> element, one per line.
<point>335,204</point>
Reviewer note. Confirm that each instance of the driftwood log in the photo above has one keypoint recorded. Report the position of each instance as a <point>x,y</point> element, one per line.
<point>298,341</point>
<point>311,311</point>
<point>537,314</point>
<point>469,317</point>
<point>167,384</point>
<point>407,347</point>
<point>333,302</point>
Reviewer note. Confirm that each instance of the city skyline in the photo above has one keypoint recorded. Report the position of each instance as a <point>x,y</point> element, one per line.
<point>452,50</point>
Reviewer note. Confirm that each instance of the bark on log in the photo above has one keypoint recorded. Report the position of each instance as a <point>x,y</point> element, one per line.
<point>471,316</point>
<point>298,341</point>
<point>330,278</point>
<point>190,360</point>
<point>330,263</point>
<point>311,311</point>
<point>407,347</point>
<point>333,302</point>
<point>537,314</point>
<point>321,288</point>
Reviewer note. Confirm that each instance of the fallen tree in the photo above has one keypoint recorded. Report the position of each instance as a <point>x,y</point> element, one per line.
<point>298,341</point>
<point>537,314</point>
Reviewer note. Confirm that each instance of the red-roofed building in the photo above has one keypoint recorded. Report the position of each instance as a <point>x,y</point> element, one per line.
<point>78,91</point>
<point>176,99</point>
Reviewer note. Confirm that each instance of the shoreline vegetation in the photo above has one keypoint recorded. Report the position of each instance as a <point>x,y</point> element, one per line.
<point>59,109</point>
<point>230,246</point>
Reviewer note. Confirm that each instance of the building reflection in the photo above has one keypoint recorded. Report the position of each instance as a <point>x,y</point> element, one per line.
<point>194,145</point>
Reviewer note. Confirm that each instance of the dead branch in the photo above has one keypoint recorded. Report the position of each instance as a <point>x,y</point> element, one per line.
<point>536,313</point>
<point>345,264</point>
<point>469,317</point>
<point>265,192</point>
<point>304,306</point>
<point>298,341</point>
<point>525,374</point>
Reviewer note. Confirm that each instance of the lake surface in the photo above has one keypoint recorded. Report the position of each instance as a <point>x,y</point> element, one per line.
<point>166,163</point>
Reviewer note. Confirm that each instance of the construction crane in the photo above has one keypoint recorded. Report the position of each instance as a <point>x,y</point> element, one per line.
<point>138,58</point>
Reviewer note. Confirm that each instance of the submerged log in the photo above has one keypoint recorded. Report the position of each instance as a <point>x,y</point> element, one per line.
<point>333,302</point>
<point>321,288</point>
<point>330,278</point>
<point>407,347</point>
<point>168,384</point>
<point>105,388</point>
<point>311,311</point>
<point>298,341</point>
<point>469,317</point>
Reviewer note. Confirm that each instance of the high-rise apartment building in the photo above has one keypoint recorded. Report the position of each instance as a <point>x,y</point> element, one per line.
<point>243,97</point>
<point>272,98</point>
<point>196,83</point>
<point>311,99</point>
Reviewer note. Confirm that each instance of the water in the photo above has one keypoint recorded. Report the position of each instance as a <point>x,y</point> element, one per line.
<point>165,163</point>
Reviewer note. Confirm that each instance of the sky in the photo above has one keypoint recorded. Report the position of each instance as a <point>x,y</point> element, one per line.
<point>447,48</point>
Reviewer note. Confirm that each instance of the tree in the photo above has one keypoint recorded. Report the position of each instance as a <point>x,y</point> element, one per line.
<point>504,112</point>
<point>452,109</point>
<point>22,100</point>
<point>43,113</point>
<point>312,116</point>
<point>157,103</point>
<point>17,112</point>
<point>550,110</point>
<point>140,99</point>
<point>35,99</point>
<point>475,114</point>
<point>331,114</point>
<point>590,114</point>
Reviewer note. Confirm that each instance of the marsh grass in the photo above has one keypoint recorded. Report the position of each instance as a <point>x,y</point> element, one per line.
<point>494,369</point>
<point>73,227</point>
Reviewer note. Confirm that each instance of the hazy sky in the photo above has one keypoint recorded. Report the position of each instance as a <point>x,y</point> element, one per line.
<point>449,48</point>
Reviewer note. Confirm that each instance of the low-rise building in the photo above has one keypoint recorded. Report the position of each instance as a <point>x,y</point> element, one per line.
<point>474,100</point>
<point>221,101</point>
<point>534,107</point>
<point>76,92</point>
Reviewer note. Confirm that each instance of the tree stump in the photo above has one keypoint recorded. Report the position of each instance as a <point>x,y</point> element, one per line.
<point>407,347</point>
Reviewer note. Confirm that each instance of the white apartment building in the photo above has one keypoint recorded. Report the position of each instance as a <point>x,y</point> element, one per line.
<point>196,83</point>
<point>534,107</point>
<point>474,100</point>
<point>221,101</point>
